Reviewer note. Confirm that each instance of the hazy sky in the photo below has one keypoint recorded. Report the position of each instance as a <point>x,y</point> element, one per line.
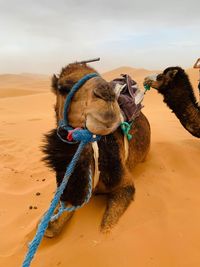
<point>43,35</point>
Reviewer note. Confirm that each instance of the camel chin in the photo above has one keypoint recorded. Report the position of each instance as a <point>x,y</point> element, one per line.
<point>100,128</point>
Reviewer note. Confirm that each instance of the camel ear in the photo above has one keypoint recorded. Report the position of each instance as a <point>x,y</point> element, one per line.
<point>54,83</point>
<point>172,73</point>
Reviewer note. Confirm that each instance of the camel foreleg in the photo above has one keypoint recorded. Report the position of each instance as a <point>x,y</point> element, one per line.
<point>118,202</point>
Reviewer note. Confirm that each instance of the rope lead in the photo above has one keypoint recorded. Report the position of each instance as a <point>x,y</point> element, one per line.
<point>78,135</point>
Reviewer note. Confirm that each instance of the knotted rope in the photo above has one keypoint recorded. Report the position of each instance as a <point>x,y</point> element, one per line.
<point>126,127</point>
<point>84,137</point>
<point>147,87</point>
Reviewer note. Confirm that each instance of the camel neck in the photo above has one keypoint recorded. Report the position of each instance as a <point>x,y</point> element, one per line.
<point>182,102</point>
<point>187,111</point>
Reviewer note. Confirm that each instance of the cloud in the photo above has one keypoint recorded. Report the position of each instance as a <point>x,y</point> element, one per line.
<point>43,35</point>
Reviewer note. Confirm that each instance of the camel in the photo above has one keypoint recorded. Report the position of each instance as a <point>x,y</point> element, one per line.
<point>173,83</point>
<point>95,107</point>
<point>197,66</point>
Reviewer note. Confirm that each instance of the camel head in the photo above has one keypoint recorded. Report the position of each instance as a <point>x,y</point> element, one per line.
<point>93,106</point>
<point>164,79</point>
<point>174,84</point>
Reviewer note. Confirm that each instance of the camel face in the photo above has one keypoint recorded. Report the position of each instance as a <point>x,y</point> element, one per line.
<point>94,105</point>
<point>162,80</point>
<point>102,114</point>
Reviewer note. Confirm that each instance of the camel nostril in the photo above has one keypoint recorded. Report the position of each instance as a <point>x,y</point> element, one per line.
<point>106,94</point>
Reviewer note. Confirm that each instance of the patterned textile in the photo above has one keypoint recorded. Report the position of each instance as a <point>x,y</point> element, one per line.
<point>129,96</point>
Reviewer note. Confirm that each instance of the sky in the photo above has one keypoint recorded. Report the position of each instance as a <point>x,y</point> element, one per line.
<point>41,36</point>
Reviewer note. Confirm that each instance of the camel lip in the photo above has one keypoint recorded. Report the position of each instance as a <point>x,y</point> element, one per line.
<point>100,128</point>
<point>151,80</point>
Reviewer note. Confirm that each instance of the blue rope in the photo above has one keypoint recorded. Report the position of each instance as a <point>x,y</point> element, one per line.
<point>84,137</point>
<point>73,208</point>
<point>47,216</point>
<point>74,89</point>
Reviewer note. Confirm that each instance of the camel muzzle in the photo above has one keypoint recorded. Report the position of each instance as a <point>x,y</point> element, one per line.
<point>150,80</point>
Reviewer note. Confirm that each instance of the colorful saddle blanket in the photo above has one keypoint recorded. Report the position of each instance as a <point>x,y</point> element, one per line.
<point>129,96</point>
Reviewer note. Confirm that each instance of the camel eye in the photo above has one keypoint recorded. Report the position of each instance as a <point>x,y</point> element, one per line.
<point>159,77</point>
<point>63,89</point>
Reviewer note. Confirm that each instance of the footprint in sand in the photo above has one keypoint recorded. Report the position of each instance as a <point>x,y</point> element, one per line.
<point>10,123</point>
<point>7,142</point>
<point>4,123</point>
<point>35,119</point>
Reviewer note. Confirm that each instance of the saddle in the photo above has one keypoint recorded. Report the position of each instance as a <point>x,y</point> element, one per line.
<point>129,97</point>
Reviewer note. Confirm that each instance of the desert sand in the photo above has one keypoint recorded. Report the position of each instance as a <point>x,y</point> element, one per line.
<point>161,228</point>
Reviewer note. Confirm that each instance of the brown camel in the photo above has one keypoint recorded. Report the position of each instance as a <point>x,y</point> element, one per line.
<point>178,94</point>
<point>197,66</point>
<point>95,106</point>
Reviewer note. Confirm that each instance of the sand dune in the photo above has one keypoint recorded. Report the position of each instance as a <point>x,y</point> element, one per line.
<point>133,72</point>
<point>160,228</point>
<point>13,85</point>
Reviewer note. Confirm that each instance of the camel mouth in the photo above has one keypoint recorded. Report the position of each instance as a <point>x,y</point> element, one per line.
<point>151,81</point>
<point>98,127</point>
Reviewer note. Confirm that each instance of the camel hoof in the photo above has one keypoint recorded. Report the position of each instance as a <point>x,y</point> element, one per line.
<point>54,228</point>
<point>105,229</point>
